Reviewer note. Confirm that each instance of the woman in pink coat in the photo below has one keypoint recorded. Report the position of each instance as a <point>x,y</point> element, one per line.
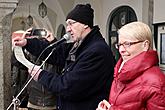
<point>138,83</point>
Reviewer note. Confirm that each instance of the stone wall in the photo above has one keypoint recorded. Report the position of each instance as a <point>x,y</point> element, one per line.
<point>6,9</point>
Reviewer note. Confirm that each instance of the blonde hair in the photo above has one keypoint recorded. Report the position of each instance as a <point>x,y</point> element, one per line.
<point>137,30</point>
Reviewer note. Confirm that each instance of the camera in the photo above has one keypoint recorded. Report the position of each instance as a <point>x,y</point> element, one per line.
<point>38,32</point>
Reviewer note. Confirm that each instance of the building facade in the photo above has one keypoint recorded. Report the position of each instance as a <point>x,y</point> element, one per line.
<point>110,15</point>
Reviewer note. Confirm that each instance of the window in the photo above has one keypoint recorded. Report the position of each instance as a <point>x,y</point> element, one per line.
<point>61,31</point>
<point>161,45</point>
<point>162,48</point>
<point>119,17</point>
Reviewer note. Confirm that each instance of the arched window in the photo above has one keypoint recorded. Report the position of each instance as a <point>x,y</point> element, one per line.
<point>61,31</point>
<point>119,17</point>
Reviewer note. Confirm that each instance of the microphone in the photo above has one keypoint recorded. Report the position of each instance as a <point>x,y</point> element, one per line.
<point>65,37</point>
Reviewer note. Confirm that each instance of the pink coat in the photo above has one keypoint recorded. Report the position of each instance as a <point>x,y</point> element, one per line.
<point>140,85</point>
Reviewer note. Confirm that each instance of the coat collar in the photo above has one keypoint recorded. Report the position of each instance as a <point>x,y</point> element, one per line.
<point>136,66</point>
<point>76,49</point>
<point>91,37</point>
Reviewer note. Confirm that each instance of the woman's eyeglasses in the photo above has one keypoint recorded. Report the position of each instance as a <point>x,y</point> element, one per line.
<point>126,44</point>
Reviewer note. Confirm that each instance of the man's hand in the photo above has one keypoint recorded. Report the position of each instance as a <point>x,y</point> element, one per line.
<point>35,72</point>
<point>18,37</point>
<point>49,36</point>
<point>17,41</point>
<point>103,105</point>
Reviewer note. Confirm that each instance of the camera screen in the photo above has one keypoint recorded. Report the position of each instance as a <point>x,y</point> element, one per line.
<point>38,32</point>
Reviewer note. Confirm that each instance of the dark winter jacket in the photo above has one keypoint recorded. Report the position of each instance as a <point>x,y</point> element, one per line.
<point>38,95</point>
<point>87,75</point>
<point>140,85</point>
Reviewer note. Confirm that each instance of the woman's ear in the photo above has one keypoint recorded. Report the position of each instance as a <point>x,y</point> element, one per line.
<point>146,45</point>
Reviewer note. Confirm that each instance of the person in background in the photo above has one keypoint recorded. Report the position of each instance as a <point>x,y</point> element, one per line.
<point>19,75</point>
<point>138,83</point>
<point>38,98</point>
<point>87,63</point>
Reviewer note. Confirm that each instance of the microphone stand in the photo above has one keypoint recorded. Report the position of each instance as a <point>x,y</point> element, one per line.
<point>16,102</point>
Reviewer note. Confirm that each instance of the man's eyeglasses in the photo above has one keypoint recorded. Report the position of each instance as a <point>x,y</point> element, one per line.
<point>126,44</point>
<point>70,23</point>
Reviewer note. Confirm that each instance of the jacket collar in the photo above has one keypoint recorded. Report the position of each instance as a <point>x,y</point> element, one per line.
<point>78,46</point>
<point>136,66</point>
<point>90,38</point>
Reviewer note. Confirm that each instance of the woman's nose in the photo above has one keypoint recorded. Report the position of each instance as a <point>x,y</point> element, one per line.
<point>121,49</point>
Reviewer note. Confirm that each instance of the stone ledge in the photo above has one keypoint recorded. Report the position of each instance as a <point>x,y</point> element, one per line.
<point>8,5</point>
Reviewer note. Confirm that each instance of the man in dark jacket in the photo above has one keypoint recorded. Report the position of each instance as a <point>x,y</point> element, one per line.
<point>88,63</point>
<point>39,97</point>
<point>35,96</point>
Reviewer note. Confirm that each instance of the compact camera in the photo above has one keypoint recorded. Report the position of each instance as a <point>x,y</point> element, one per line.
<point>38,32</point>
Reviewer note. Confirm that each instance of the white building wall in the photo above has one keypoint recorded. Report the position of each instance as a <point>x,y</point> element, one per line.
<point>159,8</point>
<point>110,5</point>
<point>103,9</point>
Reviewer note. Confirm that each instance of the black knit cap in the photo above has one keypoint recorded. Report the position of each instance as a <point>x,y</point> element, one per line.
<point>83,14</point>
